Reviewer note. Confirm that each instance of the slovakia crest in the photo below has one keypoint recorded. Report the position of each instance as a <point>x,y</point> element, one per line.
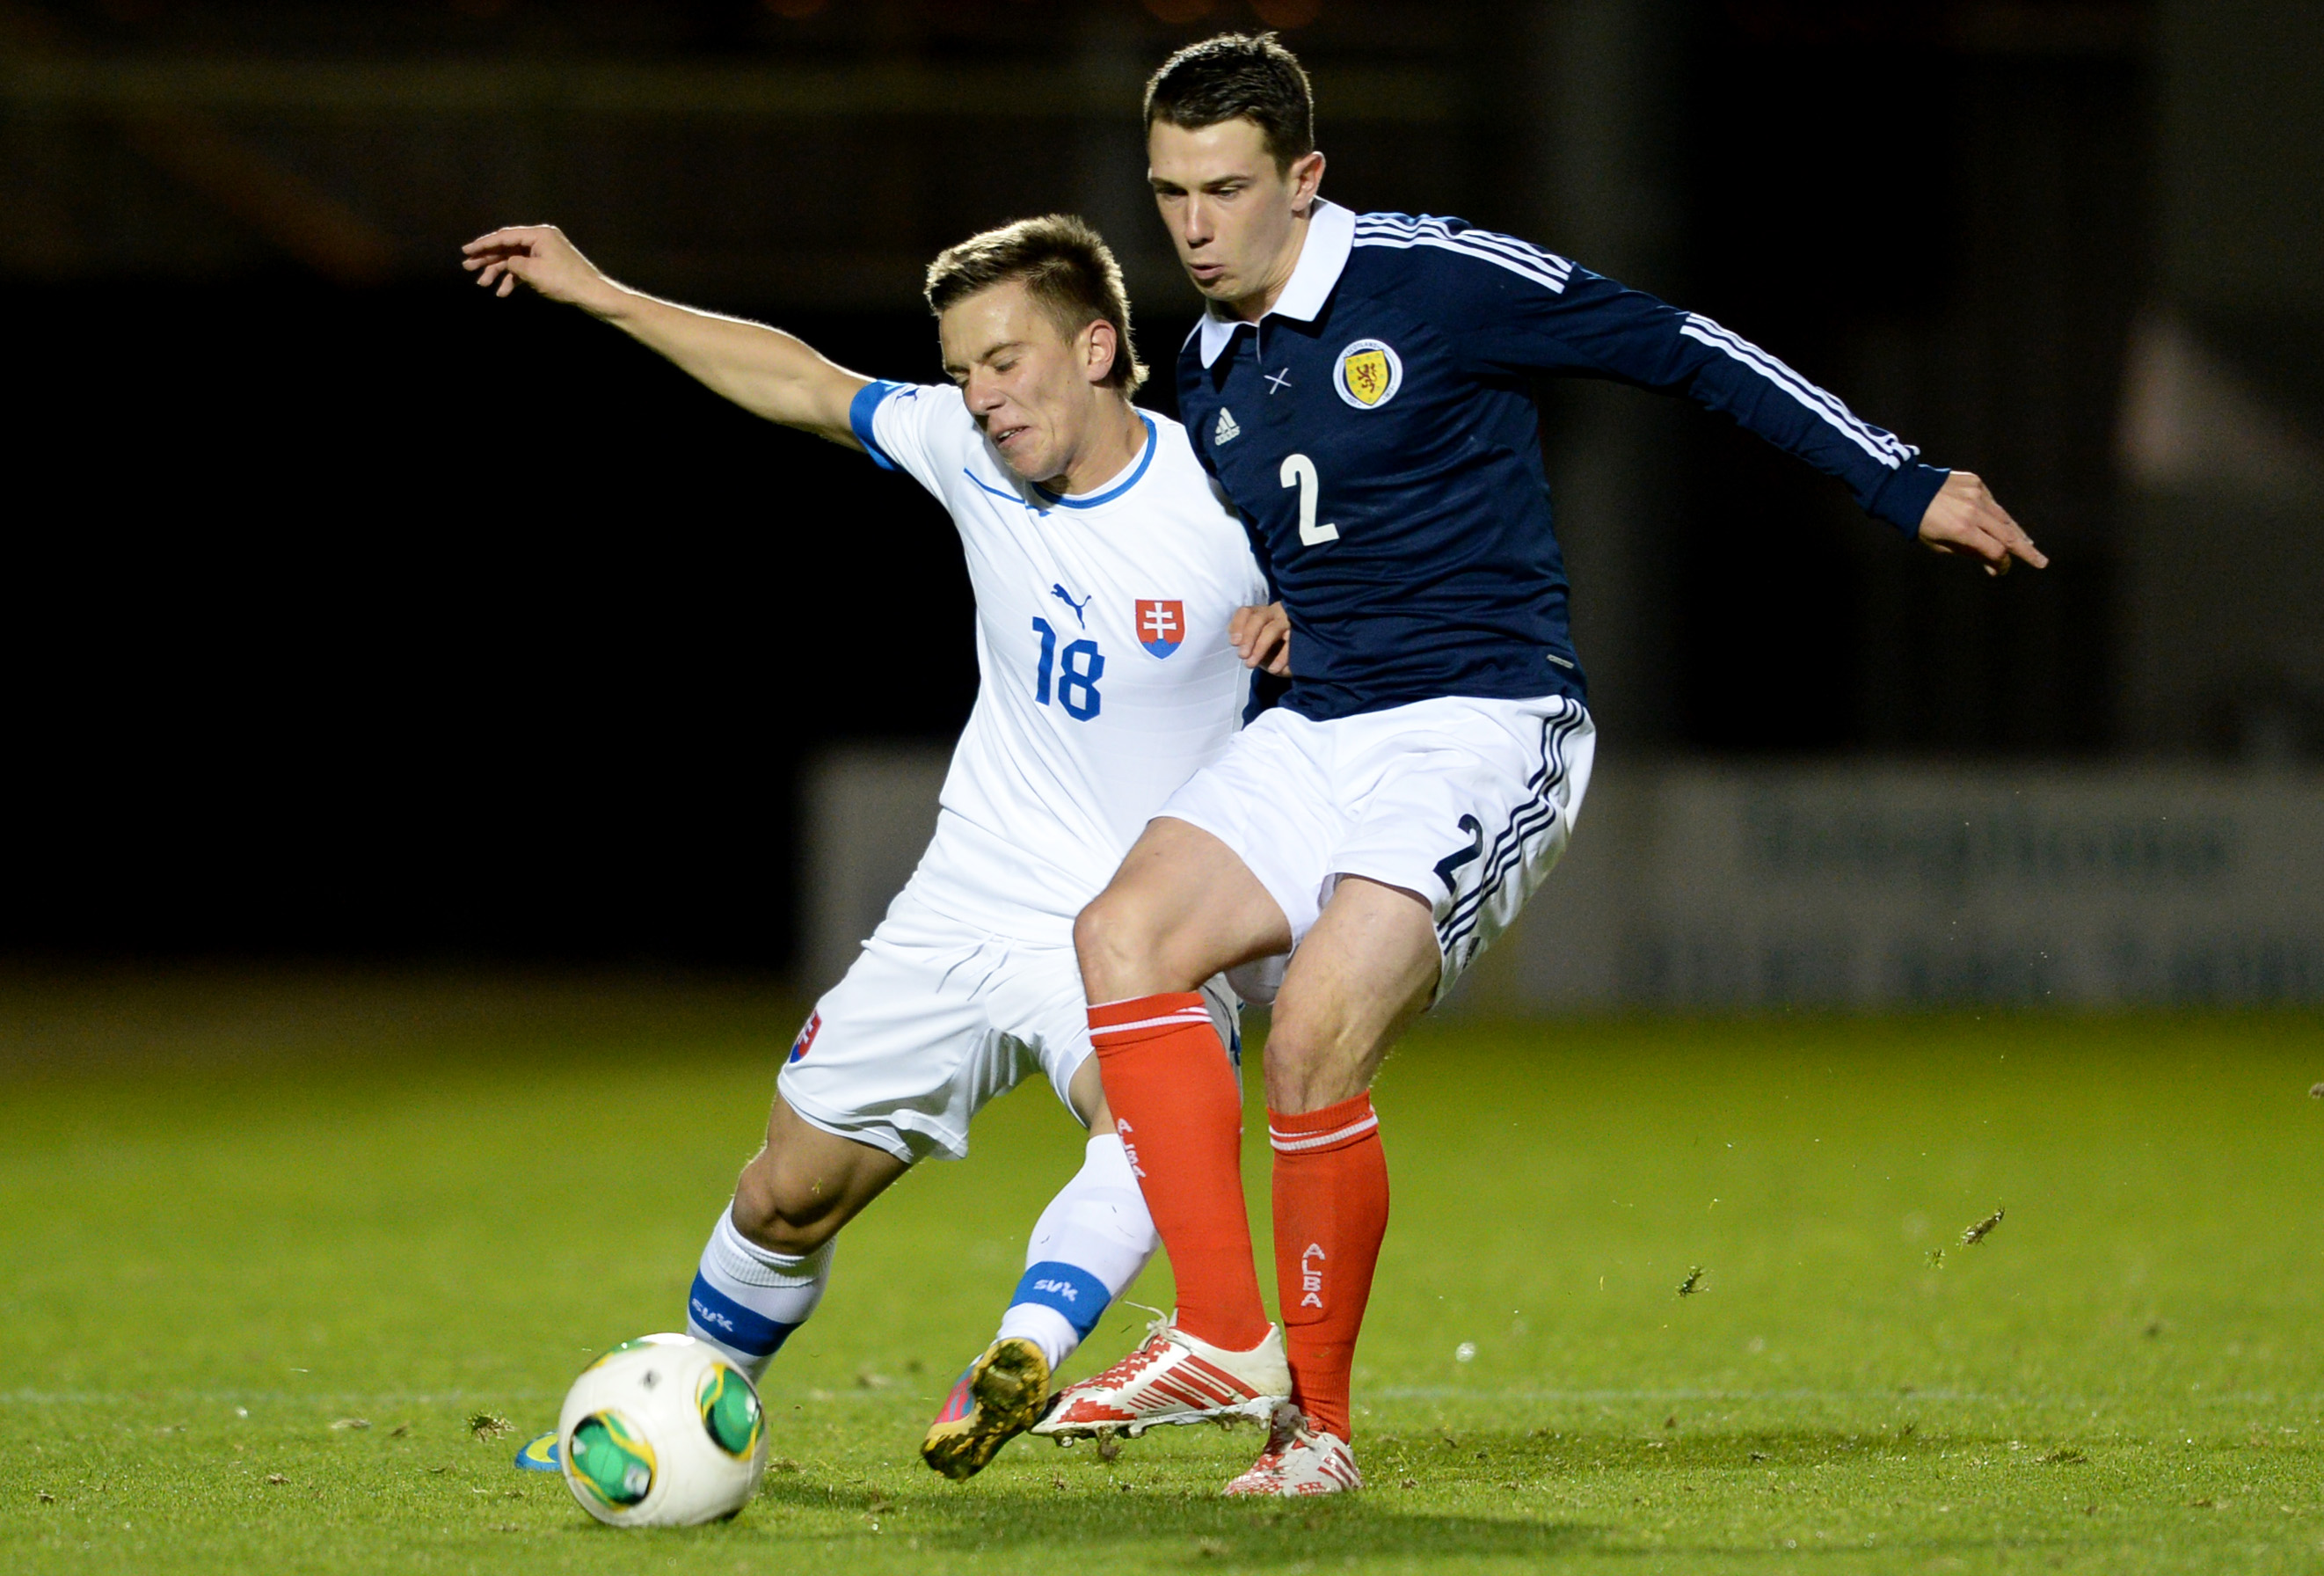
<point>806,1041</point>
<point>1161,625</point>
<point>1368,373</point>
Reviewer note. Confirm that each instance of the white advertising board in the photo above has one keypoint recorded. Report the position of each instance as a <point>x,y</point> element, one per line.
<point>1699,884</point>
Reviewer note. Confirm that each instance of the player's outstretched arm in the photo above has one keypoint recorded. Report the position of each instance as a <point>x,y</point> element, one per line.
<point>1964,517</point>
<point>764,369</point>
<point>1565,319</point>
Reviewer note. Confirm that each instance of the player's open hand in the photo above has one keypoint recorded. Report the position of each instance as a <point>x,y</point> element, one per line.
<point>541,256</point>
<point>1964,517</point>
<point>1262,637</point>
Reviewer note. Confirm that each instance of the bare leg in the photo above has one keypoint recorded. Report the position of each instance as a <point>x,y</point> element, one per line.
<point>1181,909</point>
<point>1086,1093</point>
<point>797,1192</point>
<point>1358,979</point>
<point>768,1256</point>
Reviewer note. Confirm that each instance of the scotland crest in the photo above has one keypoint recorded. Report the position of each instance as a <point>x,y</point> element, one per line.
<point>1368,373</point>
<point>1161,625</point>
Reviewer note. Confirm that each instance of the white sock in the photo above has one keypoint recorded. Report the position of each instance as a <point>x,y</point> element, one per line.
<point>1087,1246</point>
<point>747,1300</point>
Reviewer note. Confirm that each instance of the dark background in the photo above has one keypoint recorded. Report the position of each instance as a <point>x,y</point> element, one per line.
<point>354,614</point>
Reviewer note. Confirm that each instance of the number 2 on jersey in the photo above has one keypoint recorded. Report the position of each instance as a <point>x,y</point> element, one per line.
<point>1082,666</point>
<point>1299,471</point>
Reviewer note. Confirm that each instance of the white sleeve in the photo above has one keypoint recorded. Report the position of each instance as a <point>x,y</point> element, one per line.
<point>912,427</point>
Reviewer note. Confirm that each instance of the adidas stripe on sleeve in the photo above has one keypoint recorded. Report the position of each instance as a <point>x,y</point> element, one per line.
<point>1526,309</point>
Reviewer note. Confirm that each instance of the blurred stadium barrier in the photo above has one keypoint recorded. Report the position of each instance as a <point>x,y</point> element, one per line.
<point>1867,887</point>
<point>1703,886</point>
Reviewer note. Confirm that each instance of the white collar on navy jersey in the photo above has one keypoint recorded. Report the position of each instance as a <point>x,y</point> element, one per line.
<point>1322,258</point>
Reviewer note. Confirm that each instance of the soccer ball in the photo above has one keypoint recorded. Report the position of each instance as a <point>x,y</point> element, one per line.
<point>661,1432</point>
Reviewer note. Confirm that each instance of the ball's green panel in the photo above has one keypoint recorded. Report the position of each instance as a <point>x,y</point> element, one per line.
<point>730,1410</point>
<point>612,1459</point>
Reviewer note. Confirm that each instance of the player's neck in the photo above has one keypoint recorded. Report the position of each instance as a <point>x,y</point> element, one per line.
<point>1117,436</point>
<point>1251,307</point>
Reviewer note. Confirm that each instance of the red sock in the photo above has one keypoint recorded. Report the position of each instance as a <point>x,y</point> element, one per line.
<point>1331,1212</point>
<point>1179,1112</point>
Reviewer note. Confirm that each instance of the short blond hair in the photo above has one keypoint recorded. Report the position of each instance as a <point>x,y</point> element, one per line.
<point>1068,271</point>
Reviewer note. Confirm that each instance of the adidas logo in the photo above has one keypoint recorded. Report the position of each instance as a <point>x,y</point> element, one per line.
<point>1226,431</point>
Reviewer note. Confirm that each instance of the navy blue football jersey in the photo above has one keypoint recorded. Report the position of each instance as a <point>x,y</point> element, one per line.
<point>1379,432</point>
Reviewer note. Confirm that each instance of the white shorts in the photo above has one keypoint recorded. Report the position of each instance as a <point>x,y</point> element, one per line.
<point>1465,802</point>
<point>936,1017</point>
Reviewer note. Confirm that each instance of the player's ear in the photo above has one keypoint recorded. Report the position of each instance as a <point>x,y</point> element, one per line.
<point>1099,346</point>
<point>1306,174</point>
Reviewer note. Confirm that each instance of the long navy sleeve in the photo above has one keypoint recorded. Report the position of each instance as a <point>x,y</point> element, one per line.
<point>1590,325</point>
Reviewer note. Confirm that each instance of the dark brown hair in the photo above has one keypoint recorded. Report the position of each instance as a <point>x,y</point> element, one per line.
<point>1068,271</point>
<point>1238,74</point>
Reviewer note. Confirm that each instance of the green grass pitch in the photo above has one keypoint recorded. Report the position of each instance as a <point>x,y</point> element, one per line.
<point>234,1215</point>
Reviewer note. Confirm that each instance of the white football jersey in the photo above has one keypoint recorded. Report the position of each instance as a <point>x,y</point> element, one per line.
<point>1105,677</point>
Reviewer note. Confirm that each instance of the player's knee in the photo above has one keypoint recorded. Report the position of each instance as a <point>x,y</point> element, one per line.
<point>1309,1065</point>
<point>1295,1087</point>
<point>1127,948</point>
<point>780,1216</point>
<point>1095,929</point>
<point>789,1232</point>
<point>1289,1045</point>
<point>1114,943</point>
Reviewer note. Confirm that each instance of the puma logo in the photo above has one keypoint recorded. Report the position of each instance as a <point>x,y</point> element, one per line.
<point>1062,594</point>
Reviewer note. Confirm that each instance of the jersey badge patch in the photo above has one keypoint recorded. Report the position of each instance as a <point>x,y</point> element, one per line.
<point>1226,431</point>
<point>806,1041</point>
<point>1368,374</point>
<point>1161,625</point>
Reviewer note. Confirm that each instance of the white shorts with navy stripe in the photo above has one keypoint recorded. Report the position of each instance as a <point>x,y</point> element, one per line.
<point>1466,802</point>
<point>937,1016</point>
